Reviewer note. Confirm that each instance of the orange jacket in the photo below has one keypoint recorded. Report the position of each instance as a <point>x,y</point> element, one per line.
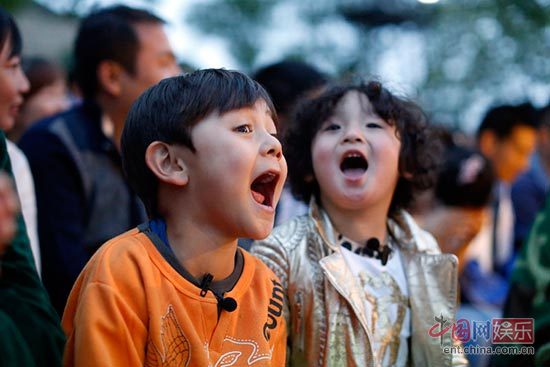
<point>129,307</point>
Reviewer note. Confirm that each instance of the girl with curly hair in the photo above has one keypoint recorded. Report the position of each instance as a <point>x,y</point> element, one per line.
<point>363,283</point>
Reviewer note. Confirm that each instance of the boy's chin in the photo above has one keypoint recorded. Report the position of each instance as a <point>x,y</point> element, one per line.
<point>260,232</point>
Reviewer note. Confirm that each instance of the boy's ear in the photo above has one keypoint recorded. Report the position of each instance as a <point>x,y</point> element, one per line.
<point>108,76</point>
<point>169,167</point>
<point>487,143</point>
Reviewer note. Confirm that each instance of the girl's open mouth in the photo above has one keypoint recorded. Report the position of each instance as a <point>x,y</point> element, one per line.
<point>354,164</point>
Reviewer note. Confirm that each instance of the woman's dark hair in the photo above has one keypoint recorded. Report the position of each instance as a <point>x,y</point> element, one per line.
<point>419,151</point>
<point>9,32</point>
<point>465,179</point>
<point>41,73</point>
<point>169,110</point>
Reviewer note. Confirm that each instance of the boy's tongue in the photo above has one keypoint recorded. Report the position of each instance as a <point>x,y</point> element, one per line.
<point>259,197</point>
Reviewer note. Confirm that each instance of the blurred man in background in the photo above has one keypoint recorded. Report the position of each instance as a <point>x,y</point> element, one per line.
<point>82,196</point>
<point>530,189</point>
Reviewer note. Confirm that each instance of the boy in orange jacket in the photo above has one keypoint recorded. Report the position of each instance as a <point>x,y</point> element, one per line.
<point>201,152</point>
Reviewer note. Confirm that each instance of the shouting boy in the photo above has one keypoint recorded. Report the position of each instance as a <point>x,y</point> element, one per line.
<point>201,152</point>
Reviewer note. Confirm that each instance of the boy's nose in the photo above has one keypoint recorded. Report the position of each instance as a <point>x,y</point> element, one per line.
<point>273,147</point>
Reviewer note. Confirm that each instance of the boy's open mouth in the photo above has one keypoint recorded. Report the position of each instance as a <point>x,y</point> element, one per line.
<point>354,164</point>
<point>263,188</point>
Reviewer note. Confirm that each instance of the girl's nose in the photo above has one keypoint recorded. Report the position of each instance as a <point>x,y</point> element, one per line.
<point>353,135</point>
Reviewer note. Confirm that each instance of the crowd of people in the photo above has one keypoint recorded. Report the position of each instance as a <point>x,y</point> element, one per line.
<point>151,217</point>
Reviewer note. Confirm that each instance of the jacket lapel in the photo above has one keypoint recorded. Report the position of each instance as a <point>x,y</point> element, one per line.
<point>342,279</point>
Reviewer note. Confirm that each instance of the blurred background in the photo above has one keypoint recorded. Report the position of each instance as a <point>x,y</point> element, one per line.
<point>456,57</point>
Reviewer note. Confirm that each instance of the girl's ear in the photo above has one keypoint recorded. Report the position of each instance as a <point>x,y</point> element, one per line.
<point>163,160</point>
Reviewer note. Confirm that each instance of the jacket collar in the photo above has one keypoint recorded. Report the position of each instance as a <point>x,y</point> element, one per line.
<point>402,227</point>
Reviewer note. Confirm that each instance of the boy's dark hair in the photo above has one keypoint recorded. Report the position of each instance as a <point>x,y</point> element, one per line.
<point>465,179</point>
<point>287,81</point>
<point>418,150</point>
<point>107,34</point>
<point>9,32</point>
<point>503,119</point>
<point>169,110</point>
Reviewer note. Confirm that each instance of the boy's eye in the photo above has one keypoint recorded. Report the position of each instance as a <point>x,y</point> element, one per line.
<point>374,125</point>
<point>246,129</point>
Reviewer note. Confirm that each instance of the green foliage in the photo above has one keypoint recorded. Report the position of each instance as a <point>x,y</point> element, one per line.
<point>475,50</point>
<point>11,5</point>
<point>486,48</point>
<point>238,21</point>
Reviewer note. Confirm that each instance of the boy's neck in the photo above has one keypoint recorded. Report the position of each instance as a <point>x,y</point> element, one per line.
<point>359,225</point>
<point>201,251</point>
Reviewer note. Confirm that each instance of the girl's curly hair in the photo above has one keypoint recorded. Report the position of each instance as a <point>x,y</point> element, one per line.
<point>418,158</point>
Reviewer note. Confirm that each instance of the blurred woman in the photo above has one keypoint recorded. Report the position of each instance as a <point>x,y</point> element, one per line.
<point>30,334</point>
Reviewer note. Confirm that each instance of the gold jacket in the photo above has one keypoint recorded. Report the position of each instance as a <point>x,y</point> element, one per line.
<point>324,308</point>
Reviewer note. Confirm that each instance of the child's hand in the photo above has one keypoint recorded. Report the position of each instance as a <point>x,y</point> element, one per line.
<point>9,206</point>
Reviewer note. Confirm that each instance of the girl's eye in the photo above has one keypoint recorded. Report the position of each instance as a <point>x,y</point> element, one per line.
<point>374,125</point>
<point>331,127</point>
<point>246,129</point>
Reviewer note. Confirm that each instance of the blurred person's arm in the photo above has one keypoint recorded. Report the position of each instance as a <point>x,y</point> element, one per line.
<point>8,212</point>
<point>13,349</point>
<point>26,315</point>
